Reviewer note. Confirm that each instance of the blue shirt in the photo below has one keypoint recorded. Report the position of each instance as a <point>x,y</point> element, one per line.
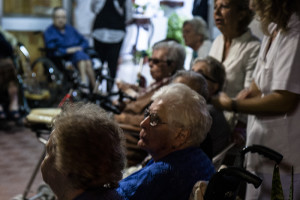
<point>173,177</point>
<point>55,39</point>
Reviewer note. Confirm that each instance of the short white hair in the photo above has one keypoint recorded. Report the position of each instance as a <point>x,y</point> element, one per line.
<point>199,26</point>
<point>185,109</point>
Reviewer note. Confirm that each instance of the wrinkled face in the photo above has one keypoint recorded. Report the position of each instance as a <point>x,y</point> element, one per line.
<point>158,139</point>
<point>226,16</point>
<point>190,36</point>
<point>60,19</point>
<point>159,67</point>
<point>49,172</point>
<point>203,68</point>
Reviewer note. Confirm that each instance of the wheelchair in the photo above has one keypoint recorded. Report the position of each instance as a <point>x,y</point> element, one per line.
<point>226,183</point>
<point>41,81</point>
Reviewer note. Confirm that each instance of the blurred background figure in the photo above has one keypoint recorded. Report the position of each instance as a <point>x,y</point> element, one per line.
<point>109,30</point>
<point>9,102</point>
<point>195,34</point>
<point>173,128</point>
<point>64,41</point>
<point>85,155</point>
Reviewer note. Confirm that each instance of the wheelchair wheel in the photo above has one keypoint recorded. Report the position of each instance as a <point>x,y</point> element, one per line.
<point>47,85</point>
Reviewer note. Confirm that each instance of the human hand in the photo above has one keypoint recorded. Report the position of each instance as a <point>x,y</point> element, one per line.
<point>74,49</point>
<point>244,94</point>
<point>222,101</point>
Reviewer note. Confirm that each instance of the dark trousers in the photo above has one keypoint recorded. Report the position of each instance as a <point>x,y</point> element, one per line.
<point>109,53</point>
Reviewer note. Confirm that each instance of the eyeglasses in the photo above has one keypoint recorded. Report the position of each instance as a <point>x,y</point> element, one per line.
<point>154,118</point>
<point>207,77</point>
<point>157,61</point>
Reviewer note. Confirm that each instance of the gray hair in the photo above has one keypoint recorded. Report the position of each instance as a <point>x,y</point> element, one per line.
<point>194,80</point>
<point>216,70</point>
<point>175,52</point>
<point>199,26</point>
<point>88,146</point>
<point>185,109</point>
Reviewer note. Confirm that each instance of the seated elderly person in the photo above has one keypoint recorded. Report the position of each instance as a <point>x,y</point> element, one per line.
<point>65,41</point>
<point>198,83</point>
<point>84,154</point>
<point>174,126</point>
<point>167,58</point>
<point>215,75</point>
<point>195,35</point>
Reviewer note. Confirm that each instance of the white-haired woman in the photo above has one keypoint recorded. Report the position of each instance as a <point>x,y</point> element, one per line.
<point>174,126</point>
<point>195,35</point>
<point>85,156</point>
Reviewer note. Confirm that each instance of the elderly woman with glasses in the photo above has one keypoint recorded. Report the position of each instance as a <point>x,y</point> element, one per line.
<point>167,58</point>
<point>173,128</point>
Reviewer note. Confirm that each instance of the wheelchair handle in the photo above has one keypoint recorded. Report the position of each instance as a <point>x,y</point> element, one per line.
<point>262,150</point>
<point>242,174</point>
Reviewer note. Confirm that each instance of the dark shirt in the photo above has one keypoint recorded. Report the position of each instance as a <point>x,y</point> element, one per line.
<point>172,177</point>
<point>99,194</point>
<point>5,48</point>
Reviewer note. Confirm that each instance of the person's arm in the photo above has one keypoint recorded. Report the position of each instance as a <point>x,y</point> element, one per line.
<point>97,5</point>
<point>277,102</point>
<point>250,64</point>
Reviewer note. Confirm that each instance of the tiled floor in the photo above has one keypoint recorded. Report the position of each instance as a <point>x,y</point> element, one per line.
<point>19,152</point>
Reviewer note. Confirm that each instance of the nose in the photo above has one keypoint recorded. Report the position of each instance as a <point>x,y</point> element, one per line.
<point>145,122</point>
<point>150,64</point>
<point>216,10</point>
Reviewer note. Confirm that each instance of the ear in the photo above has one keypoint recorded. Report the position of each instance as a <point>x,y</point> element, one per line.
<point>181,137</point>
<point>215,87</point>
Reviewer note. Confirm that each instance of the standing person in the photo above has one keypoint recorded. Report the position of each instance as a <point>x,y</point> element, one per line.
<point>195,35</point>
<point>273,98</point>
<point>109,29</point>
<point>85,156</point>
<point>237,49</point>
<point>66,41</point>
<point>83,18</point>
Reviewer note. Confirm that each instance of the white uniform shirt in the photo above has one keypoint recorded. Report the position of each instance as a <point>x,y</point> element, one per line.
<point>279,69</point>
<point>240,62</point>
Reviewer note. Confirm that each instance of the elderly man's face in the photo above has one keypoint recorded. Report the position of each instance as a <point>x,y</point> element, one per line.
<point>158,139</point>
<point>60,19</point>
<point>159,68</point>
<point>191,38</point>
